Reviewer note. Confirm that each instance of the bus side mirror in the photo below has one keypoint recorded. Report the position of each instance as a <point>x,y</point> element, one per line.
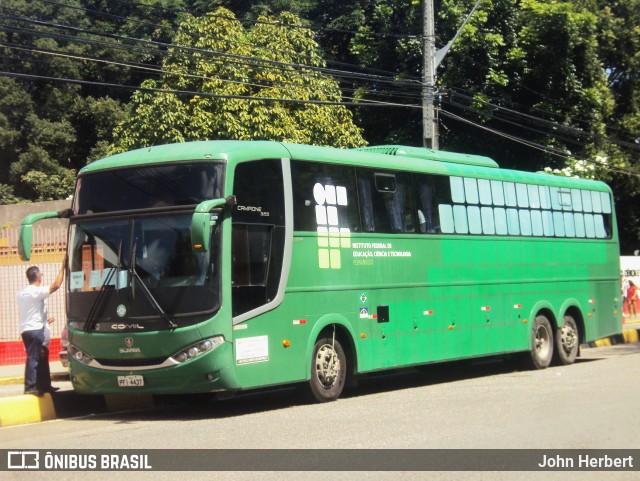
<point>205,217</point>
<point>25,240</point>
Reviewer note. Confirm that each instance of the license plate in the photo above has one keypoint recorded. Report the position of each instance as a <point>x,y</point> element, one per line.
<point>130,381</point>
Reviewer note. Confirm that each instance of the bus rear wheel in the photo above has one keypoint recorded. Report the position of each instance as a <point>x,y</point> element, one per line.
<point>541,352</point>
<point>567,342</point>
<point>328,370</point>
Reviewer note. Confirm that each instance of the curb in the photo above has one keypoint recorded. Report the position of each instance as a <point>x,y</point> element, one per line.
<point>25,408</point>
<point>55,376</point>
<point>11,380</point>
<point>627,336</point>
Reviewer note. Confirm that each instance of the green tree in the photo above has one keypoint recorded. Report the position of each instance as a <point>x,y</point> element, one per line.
<point>231,73</point>
<point>49,129</point>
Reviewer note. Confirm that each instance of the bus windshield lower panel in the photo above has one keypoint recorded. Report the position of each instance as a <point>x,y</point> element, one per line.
<point>140,274</point>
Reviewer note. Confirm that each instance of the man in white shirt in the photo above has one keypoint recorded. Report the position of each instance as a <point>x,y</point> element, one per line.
<point>33,322</point>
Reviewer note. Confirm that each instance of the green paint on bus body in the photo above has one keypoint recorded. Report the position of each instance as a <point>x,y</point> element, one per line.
<point>434,292</point>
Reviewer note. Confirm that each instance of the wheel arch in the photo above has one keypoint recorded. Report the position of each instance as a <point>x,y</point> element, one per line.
<point>572,308</point>
<point>544,308</point>
<point>344,333</point>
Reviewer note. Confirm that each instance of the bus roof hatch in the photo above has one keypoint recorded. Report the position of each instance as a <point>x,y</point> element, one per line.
<point>428,154</point>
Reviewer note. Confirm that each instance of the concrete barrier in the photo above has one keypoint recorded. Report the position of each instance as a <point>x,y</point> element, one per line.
<point>25,409</point>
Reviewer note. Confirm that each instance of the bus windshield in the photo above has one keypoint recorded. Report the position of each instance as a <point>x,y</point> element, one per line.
<point>147,187</point>
<point>132,271</point>
<point>139,272</point>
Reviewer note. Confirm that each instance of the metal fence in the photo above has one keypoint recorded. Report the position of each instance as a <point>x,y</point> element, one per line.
<point>47,253</point>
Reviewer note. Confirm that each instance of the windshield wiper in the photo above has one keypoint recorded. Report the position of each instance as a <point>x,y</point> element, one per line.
<point>152,300</point>
<point>90,322</point>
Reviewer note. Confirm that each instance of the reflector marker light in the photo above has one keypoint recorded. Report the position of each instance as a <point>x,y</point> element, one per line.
<point>428,313</point>
<point>517,306</point>
<point>592,301</point>
<point>299,322</point>
<point>485,308</point>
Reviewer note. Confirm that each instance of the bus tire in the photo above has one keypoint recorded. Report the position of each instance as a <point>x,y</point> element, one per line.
<point>328,370</point>
<point>541,352</point>
<point>567,342</point>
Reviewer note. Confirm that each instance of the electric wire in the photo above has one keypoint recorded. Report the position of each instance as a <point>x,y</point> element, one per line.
<point>540,147</point>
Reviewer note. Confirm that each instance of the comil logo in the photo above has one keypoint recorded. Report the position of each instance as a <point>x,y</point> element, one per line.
<point>23,460</point>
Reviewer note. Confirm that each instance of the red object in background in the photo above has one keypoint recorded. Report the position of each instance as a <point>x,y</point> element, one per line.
<point>12,352</point>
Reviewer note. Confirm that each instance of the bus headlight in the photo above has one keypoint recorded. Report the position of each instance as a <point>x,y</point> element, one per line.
<point>79,356</point>
<point>197,349</point>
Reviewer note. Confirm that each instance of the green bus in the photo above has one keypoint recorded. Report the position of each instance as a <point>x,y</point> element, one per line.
<point>231,265</point>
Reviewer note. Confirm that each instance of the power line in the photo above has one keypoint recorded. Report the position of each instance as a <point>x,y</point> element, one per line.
<point>164,49</point>
<point>244,59</point>
<point>143,22</point>
<point>540,147</point>
<point>279,24</point>
<point>553,125</point>
<point>493,116</point>
<point>288,86</point>
<point>199,94</point>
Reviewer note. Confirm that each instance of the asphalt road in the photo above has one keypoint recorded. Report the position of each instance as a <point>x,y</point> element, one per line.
<point>589,405</point>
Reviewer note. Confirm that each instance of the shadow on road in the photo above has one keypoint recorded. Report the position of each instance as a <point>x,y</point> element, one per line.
<point>209,406</point>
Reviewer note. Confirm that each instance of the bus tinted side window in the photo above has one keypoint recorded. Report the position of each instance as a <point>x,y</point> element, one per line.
<point>324,196</point>
<point>386,201</point>
<point>430,191</point>
<point>258,234</point>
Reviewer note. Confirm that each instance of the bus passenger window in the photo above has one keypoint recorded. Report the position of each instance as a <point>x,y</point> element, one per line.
<point>522,196</point>
<point>497,193</point>
<point>471,191</point>
<point>426,217</point>
<point>513,223</point>
<point>580,230</point>
<point>457,190</point>
<point>386,202</point>
<point>596,202</point>
<point>500,216</point>
<point>569,224</point>
<point>606,202</point>
<point>460,219</point>
<point>324,195</point>
<point>446,219</point>
<point>586,201</point>
<point>510,195</point>
<point>488,222</point>
<point>545,197</point>
<point>484,189</point>
<point>576,199</point>
<point>473,217</point>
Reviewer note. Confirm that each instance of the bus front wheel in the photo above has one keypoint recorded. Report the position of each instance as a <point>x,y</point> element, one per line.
<point>328,370</point>
<point>567,341</point>
<point>541,352</point>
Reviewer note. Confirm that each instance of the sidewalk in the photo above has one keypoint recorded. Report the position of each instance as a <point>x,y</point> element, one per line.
<point>12,377</point>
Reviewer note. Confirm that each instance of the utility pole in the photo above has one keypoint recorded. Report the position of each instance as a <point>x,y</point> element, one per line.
<point>429,120</point>
<point>431,60</point>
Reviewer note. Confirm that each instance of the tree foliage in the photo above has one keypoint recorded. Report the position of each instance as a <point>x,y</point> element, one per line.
<point>563,75</point>
<point>245,84</point>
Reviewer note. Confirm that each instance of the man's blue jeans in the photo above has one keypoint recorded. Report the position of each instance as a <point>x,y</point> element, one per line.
<point>37,366</point>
